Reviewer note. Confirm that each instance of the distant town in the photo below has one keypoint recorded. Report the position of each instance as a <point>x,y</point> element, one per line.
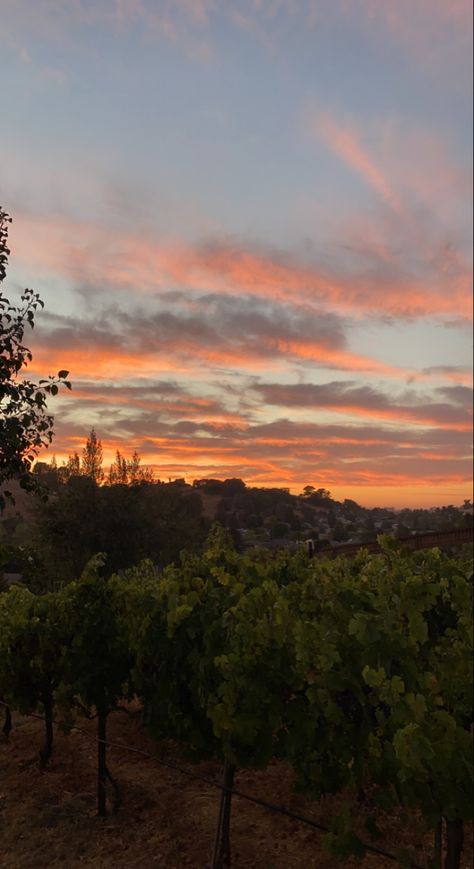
<point>274,517</point>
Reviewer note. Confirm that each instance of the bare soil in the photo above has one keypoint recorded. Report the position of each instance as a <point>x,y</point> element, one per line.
<point>48,819</point>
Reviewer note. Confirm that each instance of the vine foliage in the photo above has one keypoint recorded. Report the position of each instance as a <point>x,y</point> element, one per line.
<point>356,672</point>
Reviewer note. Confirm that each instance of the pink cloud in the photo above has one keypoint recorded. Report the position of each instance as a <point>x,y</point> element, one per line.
<point>346,144</point>
<point>429,30</point>
<point>181,354</point>
<point>94,255</point>
<point>412,229</point>
<point>413,161</point>
<point>423,28</point>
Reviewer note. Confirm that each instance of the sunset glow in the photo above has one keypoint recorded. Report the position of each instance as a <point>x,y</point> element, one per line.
<point>251,227</point>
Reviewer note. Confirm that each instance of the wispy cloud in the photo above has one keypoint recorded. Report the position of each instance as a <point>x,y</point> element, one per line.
<point>458,373</point>
<point>423,29</point>
<point>217,331</point>
<point>94,255</point>
<point>409,243</point>
<point>361,400</point>
<point>346,144</point>
<point>288,452</point>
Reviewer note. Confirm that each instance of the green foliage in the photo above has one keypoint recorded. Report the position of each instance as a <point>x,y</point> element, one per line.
<point>127,522</point>
<point>96,663</point>
<point>68,529</point>
<point>32,644</point>
<point>383,647</point>
<point>358,672</point>
<point>342,841</point>
<point>25,424</point>
<point>22,560</point>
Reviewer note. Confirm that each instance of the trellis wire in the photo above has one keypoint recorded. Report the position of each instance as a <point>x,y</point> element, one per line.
<point>288,813</point>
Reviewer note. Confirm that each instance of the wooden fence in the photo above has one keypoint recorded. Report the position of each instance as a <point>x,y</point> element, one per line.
<point>426,540</point>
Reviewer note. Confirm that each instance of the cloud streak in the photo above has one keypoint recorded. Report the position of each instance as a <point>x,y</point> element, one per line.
<point>270,454</point>
<point>93,255</point>
<point>193,25</point>
<point>345,143</point>
<point>176,330</point>
<point>347,397</point>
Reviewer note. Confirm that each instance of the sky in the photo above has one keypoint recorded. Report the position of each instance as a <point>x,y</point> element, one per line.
<point>251,225</point>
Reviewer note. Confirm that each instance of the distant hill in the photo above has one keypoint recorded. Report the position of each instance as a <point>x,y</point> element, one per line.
<point>157,520</point>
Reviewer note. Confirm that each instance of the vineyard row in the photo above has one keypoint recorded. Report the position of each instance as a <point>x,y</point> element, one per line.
<point>358,672</point>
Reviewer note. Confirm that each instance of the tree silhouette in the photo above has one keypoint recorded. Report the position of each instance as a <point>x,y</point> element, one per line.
<point>129,472</point>
<point>92,458</point>
<point>25,424</point>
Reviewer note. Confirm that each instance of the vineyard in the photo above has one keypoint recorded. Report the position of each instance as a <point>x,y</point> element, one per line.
<point>355,674</point>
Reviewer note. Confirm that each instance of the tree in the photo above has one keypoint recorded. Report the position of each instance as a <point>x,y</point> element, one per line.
<point>128,471</point>
<point>137,474</point>
<point>25,424</point>
<point>339,533</point>
<point>73,466</point>
<point>92,457</point>
<point>118,470</point>
<point>127,522</point>
<point>67,530</point>
<point>315,496</point>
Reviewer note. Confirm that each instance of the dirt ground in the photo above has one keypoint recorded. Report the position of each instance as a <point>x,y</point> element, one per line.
<point>47,819</point>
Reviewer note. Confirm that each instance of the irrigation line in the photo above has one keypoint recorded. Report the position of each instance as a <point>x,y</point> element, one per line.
<point>235,791</point>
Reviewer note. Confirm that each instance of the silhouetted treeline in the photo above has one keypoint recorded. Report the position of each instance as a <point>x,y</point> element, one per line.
<point>48,544</point>
<point>127,523</point>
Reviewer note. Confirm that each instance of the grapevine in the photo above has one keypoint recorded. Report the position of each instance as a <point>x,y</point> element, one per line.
<point>356,672</point>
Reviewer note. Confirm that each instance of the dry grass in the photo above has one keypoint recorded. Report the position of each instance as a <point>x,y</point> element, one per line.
<point>47,819</point>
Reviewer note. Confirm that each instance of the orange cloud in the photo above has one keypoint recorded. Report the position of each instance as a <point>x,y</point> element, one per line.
<point>182,357</point>
<point>420,481</point>
<point>93,255</point>
<point>291,454</point>
<point>184,345</point>
<point>423,480</point>
<point>340,359</point>
<point>100,363</point>
<point>458,374</point>
<point>398,413</point>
